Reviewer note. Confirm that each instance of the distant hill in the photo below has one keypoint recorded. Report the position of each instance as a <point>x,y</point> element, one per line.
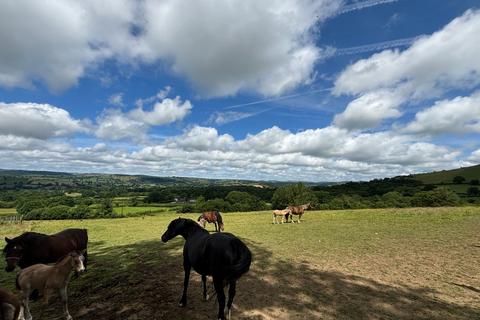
<point>446,176</point>
<point>24,179</point>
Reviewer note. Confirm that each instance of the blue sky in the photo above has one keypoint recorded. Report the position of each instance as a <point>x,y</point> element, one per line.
<point>325,90</point>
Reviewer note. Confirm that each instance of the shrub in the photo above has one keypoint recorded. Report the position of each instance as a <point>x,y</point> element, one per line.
<point>296,194</point>
<point>437,198</point>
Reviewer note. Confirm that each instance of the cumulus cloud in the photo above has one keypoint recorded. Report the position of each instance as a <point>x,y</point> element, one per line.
<point>40,121</point>
<point>73,35</point>
<point>449,58</point>
<point>458,115</point>
<point>265,47</point>
<point>114,124</point>
<point>369,110</point>
<point>221,47</point>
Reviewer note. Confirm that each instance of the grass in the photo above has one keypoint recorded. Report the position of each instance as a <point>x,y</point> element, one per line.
<point>352,264</point>
<point>447,176</point>
<point>7,212</point>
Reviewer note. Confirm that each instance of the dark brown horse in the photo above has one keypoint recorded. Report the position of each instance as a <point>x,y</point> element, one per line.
<point>211,217</point>
<point>31,248</point>
<point>298,211</point>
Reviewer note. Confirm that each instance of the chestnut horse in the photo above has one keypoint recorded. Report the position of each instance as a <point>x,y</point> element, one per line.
<point>298,211</point>
<point>31,248</point>
<point>211,217</point>
<point>220,255</point>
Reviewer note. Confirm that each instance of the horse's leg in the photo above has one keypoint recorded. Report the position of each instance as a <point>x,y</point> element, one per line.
<point>64,297</point>
<point>231,295</point>
<point>26,297</point>
<point>46,298</point>
<point>85,260</point>
<point>218,283</point>
<point>274,219</point>
<point>186,268</point>
<point>205,294</point>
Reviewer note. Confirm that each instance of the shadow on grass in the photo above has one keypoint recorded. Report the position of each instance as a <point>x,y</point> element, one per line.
<point>144,281</point>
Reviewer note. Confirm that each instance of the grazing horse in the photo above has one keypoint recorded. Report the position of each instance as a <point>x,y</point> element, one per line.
<point>298,211</point>
<point>46,279</point>
<point>31,248</point>
<point>282,213</point>
<point>10,306</point>
<point>212,217</point>
<point>220,255</point>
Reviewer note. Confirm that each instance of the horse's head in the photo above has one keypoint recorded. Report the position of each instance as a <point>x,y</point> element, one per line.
<point>76,260</point>
<point>176,227</point>
<point>13,252</point>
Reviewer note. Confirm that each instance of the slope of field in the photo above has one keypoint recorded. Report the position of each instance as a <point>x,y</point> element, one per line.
<point>358,264</point>
<point>446,176</point>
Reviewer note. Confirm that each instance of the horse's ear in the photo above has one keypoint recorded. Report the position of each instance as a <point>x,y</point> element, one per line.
<point>8,240</point>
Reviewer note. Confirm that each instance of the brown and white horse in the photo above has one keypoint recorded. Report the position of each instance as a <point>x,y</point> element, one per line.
<point>298,211</point>
<point>47,279</point>
<point>282,213</point>
<point>211,217</point>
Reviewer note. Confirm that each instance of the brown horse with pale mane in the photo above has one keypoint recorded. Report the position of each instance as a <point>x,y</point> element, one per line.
<point>298,211</point>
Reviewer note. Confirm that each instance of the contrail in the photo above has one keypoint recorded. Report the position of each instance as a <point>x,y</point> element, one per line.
<point>276,99</point>
<point>376,46</point>
<point>362,5</point>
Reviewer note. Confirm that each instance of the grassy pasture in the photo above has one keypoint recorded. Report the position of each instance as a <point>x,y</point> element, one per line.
<point>7,212</point>
<point>352,264</point>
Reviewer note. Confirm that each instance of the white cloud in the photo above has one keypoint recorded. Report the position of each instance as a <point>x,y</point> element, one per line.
<point>116,99</point>
<point>369,110</point>
<point>160,95</point>
<point>221,47</point>
<point>166,111</point>
<point>224,47</point>
<point>114,124</point>
<point>56,41</point>
<point>475,156</point>
<point>458,115</point>
<point>449,58</point>
<point>41,121</point>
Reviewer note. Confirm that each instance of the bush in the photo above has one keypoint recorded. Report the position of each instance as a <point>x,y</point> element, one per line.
<point>296,194</point>
<point>49,213</point>
<point>475,182</point>
<point>459,180</point>
<point>186,209</point>
<point>437,198</point>
<point>473,191</point>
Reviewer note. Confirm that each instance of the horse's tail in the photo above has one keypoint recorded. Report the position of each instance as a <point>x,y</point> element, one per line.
<point>242,265</point>
<point>219,220</point>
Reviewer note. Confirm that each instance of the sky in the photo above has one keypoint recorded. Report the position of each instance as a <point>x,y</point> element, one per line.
<point>290,90</point>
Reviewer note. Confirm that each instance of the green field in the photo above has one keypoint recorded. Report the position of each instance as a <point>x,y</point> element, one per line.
<point>447,176</point>
<point>140,210</point>
<point>356,264</point>
<point>7,212</point>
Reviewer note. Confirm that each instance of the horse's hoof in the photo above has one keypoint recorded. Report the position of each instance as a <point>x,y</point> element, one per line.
<point>182,304</point>
<point>207,297</point>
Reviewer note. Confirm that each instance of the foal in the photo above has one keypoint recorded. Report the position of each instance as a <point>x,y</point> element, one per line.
<point>283,213</point>
<point>47,279</point>
<point>220,255</point>
<point>10,306</point>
